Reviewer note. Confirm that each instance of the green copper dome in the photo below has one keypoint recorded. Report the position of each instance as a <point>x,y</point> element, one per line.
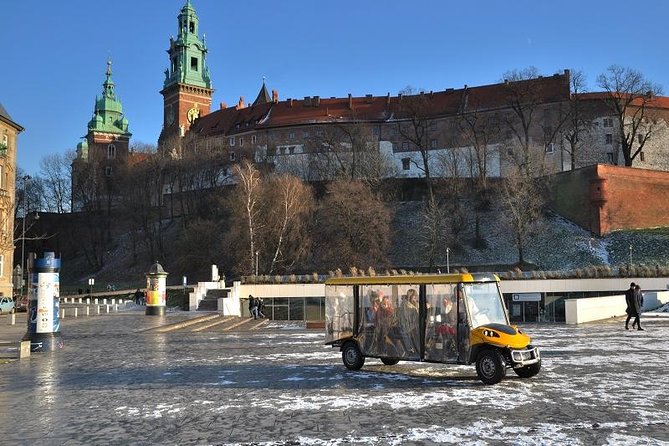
<point>108,112</point>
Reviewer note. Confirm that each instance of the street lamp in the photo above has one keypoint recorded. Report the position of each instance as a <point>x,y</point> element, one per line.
<point>448,261</point>
<point>91,282</point>
<point>630,256</point>
<point>26,179</point>
<point>256,263</point>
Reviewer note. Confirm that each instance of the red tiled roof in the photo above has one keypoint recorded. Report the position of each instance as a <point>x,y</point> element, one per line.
<point>315,110</point>
<point>656,102</point>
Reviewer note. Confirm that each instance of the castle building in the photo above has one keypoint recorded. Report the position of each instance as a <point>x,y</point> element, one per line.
<point>9,131</point>
<point>102,152</point>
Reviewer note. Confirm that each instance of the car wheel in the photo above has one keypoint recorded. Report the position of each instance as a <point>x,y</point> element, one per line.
<point>529,370</point>
<point>490,366</point>
<point>352,356</point>
<point>389,361</point>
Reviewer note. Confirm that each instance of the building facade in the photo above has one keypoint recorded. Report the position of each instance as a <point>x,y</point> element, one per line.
<point>9,131</point>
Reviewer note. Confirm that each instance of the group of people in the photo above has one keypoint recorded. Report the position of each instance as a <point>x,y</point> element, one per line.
<point>634,301</point>
<point>256,307</point>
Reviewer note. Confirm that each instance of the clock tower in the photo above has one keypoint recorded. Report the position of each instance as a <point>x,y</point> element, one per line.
<point>187,88</point>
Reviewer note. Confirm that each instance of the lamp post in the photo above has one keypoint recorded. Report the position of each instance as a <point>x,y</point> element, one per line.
<point>448,261</point>
<point>256,263</point>
<point>630,256</point>
<point>91,282</point>
<point>26,179</point>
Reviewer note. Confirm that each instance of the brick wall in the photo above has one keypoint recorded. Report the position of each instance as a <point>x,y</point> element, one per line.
<point>604,198</point>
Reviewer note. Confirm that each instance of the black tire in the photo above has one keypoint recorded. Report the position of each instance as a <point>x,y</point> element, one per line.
<point>490,366</point>
<point>389,361</point>
<point>529,370</point>
<point>352,356</point>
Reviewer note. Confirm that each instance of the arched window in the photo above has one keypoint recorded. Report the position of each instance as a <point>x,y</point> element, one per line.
<point>111,151</point>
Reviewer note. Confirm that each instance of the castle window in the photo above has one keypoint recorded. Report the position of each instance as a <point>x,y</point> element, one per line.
<point>231,141</point>
<point>609,157</point>
<point>253,139</point>
<point>550,148</point>
<point>193,63</point>
<point>433,144</point>
<point>2,266</point>
<point>405,145</point>
<point>306,134</point>
<point>609,138</point>
<point>406,163</point>
<point>108,171</point>
<point>111,151</point>
<point>376,131</point>
<point>232,156</point>
<point>642,157</point>
<point>608,122</point>
<point>291,150</point>
<point>241,141</point>
<point>191,27</point>
<point>640,137</point>
<point>291,135</point>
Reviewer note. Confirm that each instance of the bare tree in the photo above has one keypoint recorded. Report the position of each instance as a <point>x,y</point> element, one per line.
<point>433,231</point>
<point>414,113</point>
<point>289,204</point>
<point>579,123</point>
<point>523,200</point>
<point>353,226</point>
<point>56,173</point>
<point>347,151</point>
<point>630,98</point>
<point>249,184</point>
<point>525,98</point>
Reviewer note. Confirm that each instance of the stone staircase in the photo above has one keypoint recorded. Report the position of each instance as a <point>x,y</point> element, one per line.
<point>210,301</point>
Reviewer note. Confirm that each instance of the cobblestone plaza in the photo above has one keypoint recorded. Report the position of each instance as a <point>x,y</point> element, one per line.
<point>118,382</point>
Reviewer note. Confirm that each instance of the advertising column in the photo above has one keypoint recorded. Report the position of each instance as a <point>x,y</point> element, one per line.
<point>44,304</point>
<point>156,290</point>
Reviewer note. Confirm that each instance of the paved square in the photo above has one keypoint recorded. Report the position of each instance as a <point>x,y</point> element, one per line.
<point>114,383</point>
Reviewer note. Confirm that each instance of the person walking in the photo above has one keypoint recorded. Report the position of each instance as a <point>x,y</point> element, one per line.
<point>632,309</point>
<point>638,303</point>
<point>253,306</point>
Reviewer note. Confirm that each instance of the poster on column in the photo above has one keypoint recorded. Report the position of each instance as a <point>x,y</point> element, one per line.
<point>47,293</point>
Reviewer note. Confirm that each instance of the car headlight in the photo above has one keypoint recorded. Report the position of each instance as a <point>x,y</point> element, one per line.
<point>490,334</point>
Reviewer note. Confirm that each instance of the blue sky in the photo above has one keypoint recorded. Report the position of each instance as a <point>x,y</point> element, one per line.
<point>54,53</point>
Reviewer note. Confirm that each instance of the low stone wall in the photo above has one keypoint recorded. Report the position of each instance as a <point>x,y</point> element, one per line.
<point>579,311</point>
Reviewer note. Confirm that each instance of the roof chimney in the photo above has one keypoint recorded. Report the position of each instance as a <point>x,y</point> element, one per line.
<point>289,101</point>
<point>388,100</point>
<point>350,102</point>
<point>316,101</point>
<point>307,101</point>
<point>223,105</point>
<point>240,104</point>
<point>275,96</point>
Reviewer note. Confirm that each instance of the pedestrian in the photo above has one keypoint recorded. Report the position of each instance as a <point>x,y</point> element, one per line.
<point>253,307</point>
<point>261,308</point>
<point>138,297</point>
<point>633,307</point>
<point>638,303</point>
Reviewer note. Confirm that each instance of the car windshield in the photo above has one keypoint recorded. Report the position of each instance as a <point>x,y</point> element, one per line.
<point>485,304</point>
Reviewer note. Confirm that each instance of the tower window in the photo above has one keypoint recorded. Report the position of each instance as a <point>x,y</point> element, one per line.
<point>108,171</point>
<point>111,151</point>
<point>193,63</point>
<point>609,138</point>
<point>191,27</point>
<point>406,163</point>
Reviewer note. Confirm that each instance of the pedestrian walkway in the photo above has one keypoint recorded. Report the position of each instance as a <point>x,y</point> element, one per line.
<point>120,381</point>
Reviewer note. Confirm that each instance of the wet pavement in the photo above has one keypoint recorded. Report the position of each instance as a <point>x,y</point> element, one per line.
<point>118,382</point>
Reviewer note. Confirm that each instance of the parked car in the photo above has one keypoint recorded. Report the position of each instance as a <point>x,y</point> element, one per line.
<point>7,305</point>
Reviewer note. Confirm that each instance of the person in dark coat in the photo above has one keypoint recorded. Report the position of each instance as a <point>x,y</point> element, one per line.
<point>632,306</point>
<point>638,303</point>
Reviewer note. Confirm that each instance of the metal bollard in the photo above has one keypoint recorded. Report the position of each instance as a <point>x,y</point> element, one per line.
<point>107,308</point>
<point>75,311</point>
<point>12,319</point>
<point>88,301</point>
<point>115,308</point>
<point>88,310</point>
<point>97,309</point>
<point>62,313</point>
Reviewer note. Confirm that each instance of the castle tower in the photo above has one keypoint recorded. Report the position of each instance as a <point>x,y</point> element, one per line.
<point>103,149</point>
<point>187,88</point>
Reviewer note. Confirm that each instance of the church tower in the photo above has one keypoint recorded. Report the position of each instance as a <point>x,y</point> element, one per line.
<point>187,88</point>
<point>103,150</point>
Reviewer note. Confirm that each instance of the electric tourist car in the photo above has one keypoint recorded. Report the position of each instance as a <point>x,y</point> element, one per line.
<point>445,318</point>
